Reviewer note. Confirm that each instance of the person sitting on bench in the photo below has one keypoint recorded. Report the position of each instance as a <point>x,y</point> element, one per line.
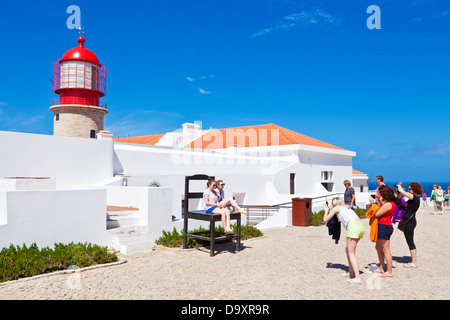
<point>212,205</point>
<point>226,202</point>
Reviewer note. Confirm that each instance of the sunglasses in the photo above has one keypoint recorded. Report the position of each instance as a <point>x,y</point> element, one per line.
<point>222,184</point>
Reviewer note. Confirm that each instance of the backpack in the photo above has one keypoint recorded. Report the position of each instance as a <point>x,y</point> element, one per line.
<point>439,195</point>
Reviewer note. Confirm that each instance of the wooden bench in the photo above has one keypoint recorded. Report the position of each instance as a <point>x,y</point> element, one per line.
<point>203,216</point>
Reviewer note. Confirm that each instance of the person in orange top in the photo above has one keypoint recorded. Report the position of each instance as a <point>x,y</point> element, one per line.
<point>385,229</point>
<point>373,222</point>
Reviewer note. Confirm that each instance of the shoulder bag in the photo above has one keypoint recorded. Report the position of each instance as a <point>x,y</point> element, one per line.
<point>402,224</point>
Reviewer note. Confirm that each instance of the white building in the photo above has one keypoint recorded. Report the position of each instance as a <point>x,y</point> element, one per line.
<point>294,164</point>
<point>261,165</point>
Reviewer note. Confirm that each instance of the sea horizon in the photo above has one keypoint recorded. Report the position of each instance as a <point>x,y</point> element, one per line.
<point>426,186</point>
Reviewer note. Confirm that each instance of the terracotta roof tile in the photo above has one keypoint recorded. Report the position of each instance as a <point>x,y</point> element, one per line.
<point>254,136</point>
<point>151,139</point>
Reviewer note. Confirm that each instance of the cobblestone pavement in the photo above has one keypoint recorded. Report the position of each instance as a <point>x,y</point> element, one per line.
<point>287,263</point>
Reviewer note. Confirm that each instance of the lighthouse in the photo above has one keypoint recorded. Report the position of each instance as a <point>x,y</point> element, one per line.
<point>80,81</point>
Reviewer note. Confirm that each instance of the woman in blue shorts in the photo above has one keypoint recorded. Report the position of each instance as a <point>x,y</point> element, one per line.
<point>385,229</point>
<point>212,205</point>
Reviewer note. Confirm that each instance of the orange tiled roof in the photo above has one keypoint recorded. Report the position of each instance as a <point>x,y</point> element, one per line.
<point>151,139</point>
<point>254,136</point>
<point>357,172</point>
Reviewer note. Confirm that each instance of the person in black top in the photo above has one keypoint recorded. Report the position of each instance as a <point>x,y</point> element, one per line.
<point>349,195</point>
<point>413,204</point>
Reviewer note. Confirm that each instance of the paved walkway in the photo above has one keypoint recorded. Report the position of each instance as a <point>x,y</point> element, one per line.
<point>288,263</point>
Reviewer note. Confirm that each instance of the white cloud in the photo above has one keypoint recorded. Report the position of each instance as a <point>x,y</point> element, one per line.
<point>440,149</point>
<point>201,78</point>
<point>374,156</point>
<point>313,16</point>
<point>203,91</point>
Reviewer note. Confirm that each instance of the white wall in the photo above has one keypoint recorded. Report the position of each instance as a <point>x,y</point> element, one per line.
<point>49,216</point>
<point>155,206</point>
<point>142,160</point>
<point>308,169</point>
<point>249,175</point>
<point>357,183</point>
<point>262,180</point>
<point>67,160</point>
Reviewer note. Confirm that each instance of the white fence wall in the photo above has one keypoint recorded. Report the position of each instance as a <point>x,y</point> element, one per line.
<point>67,160</point>
<point>45,217</point>
<point>155,206</point>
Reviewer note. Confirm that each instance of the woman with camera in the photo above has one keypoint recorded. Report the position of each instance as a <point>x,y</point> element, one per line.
<point>409,216</point>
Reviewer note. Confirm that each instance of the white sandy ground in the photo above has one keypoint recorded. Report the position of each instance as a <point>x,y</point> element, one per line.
<point>287,264</point>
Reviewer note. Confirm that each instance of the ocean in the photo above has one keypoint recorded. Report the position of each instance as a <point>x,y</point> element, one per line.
<point>426,186</point>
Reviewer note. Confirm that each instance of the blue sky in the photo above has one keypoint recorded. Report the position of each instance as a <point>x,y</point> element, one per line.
<point>310,66</point>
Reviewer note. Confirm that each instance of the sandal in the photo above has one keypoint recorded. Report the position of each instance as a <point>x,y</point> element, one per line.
<point>354,281</point>
<point>409,265</point>
<point>385,275</point>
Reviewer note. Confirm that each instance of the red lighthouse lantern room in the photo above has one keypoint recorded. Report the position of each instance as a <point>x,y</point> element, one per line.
<point>80,81</point>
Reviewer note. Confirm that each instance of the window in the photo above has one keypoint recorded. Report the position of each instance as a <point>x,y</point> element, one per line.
<point>327,175</point>
<point>57,117</point>
<point>292,183</point>
<point>92,134</point>
<point>328,186</point>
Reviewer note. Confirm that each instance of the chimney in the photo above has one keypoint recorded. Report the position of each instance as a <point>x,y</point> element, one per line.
<point>104,135</point>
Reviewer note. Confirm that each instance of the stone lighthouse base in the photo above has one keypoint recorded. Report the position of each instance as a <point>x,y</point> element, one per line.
<point>79,121</point>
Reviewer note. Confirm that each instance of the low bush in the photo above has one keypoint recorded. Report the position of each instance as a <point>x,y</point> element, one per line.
<point>174,239</point>
<point>19,262</point>
<point>317,217</point>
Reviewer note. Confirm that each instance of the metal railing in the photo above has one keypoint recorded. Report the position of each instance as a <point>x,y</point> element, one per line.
<point>259,213</point>
<point>316,201</point>
<point>79,101</point>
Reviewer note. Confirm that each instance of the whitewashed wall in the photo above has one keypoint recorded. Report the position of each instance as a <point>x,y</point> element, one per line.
<point>155,206</point>
<point>45,217</point>
<point>67,160</point>
<point>261,180</point>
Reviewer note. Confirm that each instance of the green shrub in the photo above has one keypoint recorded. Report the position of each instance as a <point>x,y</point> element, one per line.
<point>361,212</point>
<point>19,262</point>
<point>174,239</point>
<point>317,217</point>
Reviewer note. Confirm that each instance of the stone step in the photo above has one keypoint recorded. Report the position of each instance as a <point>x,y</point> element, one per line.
<point>122,213</point>
<point>117,221</point>
<point>129,238</point>
<point>132,247</point>
<point>130,229</point>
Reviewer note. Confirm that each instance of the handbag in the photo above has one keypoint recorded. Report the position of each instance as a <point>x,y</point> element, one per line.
<point>402,224</point>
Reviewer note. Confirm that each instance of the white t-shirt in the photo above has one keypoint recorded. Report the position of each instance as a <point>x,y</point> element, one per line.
<point>345,215</point>
<point>212,198</point>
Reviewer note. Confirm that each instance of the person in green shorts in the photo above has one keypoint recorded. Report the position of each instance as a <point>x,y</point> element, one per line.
<point>355,232</point>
